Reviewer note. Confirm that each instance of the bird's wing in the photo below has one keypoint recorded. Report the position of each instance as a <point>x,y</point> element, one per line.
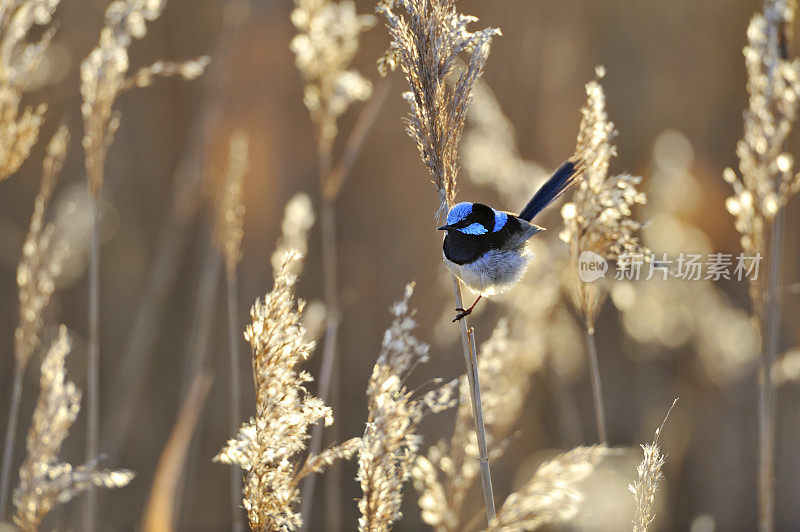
<point>516,233</point>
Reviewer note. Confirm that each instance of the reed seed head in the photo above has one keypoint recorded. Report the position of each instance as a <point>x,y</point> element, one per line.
<point>600,218</point>
<point>766,179</point>
<point>649,478</point>
<point>103,77</point>
<point>19,57</point>
<point>42,256</point>
<point>44,481</point>
<point>427,37</point>
<point>326,43</point>
<point>390,443</point>
<point>553,494</point>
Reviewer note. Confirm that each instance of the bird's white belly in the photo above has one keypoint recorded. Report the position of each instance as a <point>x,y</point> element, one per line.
<point>495,272</point>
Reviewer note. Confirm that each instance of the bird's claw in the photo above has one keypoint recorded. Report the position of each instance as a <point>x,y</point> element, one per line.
<point>462,313</point>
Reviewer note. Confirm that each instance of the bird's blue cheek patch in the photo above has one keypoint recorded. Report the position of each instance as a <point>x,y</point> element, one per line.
<point>500,220</point>
<point>474,229</point>
<point>459,212</point>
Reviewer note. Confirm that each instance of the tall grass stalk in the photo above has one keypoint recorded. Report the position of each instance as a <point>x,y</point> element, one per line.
<point>477,410</point>
<point>8,446</point>
<point>43,253</point>
<point>426,39</point>
<point>767,424</point>
<point>104,76</point>
<point>331,300</point>
<point>93,365</point>
<point>324,47</point>
<point>235,408</point>
<point>765,183</point>
<point>172,237</point>
<point>597,387</point>
<point>600,220</point>
<point>230,231</point>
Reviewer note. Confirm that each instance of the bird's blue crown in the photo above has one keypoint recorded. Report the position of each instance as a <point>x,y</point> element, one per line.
<point>461,212</point>
<point>458,212</point>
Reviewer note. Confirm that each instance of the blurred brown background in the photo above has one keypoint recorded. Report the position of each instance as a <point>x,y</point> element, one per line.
<point>670,65</point>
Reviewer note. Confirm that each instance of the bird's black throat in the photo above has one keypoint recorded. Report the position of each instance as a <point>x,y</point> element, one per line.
<point>464,249</point>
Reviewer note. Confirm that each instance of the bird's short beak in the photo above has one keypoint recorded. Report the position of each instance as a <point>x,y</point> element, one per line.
<point>445,228</point>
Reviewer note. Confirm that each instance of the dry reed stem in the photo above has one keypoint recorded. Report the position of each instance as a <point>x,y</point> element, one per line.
<point>160,514</point>
<point>181,213</point>
<point>103,77</point>
<point>597,388</point>
<point>326,43</point>
<point>445,476</point>
<point>230,230</point>
<point>600,221</point>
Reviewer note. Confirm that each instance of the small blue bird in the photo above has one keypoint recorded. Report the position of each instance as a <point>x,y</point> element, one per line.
<point>485,248</point>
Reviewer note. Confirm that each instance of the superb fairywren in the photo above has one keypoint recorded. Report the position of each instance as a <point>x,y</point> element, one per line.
<point>485,248</point>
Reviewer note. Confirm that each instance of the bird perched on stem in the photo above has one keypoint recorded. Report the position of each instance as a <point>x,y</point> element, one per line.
<point>485,248</point>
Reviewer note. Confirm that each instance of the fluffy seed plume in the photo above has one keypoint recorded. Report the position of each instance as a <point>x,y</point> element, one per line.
<point>600,218</point>
<point>230,211</point>
<point>390,443</point>
<point>298,218</point>
<point>766,177</point>
<point>552,496</point>
<point>267,446</point>
<point>426,42</point>
<point>644,488</point>
<point>324,47</point>
<point>103,77</point>
<point>42,256</point>
<point>44,481</point>
<point>19,57</point>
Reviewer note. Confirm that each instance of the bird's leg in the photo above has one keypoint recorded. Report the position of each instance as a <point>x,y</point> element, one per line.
<point>465,312</point>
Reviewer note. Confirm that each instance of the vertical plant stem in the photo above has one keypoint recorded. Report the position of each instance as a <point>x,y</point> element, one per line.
<point>766,390</point>
<point>597,387</point>
<point>11,433</point>
<point>93,375</point>
<point>471,361</point>
<point>237,524</point>
<point>331,181</point>
<point>169,254</point>
<point>333,479</point>
<point>331,295</point>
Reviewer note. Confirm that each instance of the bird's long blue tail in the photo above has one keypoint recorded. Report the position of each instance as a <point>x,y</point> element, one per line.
<point>560,181</point>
